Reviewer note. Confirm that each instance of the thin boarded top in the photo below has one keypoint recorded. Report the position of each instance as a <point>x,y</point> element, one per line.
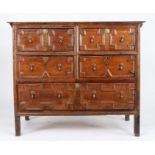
<point>78,22</point>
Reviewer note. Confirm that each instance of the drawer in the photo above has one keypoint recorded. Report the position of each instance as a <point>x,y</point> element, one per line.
<point>45,40</point>
<point>107,96</point>
<point>116,38</point>
<point>44,97</point>
<point>45,68</point>
<point>107,67</point>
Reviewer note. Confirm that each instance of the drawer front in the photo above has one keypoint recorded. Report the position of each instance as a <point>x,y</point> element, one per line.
<point>107,67</point>
<point>45,68</point>
<point>45,40</point>
<point>116,38</point>
<point>31,40</point>
<point>107,96</point>
<point>61,39</point>
<point>44,97</point>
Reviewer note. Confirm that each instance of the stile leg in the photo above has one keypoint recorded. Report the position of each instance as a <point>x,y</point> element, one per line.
<point>27,118</point>
<point>137,125</point>
<point>17,126</point>
<point>127,117</point>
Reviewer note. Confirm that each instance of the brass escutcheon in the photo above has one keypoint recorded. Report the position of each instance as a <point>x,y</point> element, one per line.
<point>122,39</point>
<point>59,67</point>
<point>94,67</point>
<point>30,40</point>
<point>94,95</point>
<point>121,95</point>
<point>121,66</point>
<point>59,95</point>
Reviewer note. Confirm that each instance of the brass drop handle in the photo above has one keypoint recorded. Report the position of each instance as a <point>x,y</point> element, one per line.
<point>30,40</point>
<point>121,66</point>
<point>121,95</point>
<point>59,67</point>
<point>94,95</point>
<point>33,94</point>
<point>92,39</point>
<point>60,40</point>
<point>122,39</point>
<point>94,67</point>
<point>59,96</point>
<point>31,67</point>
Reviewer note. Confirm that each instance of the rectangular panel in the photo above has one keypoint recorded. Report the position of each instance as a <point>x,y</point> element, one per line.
<point>107,96</point>
<point>122,38</point>
<point>92,39</point>
<point>61,39</point>
<point>46,97</point>
<point>31,40</point>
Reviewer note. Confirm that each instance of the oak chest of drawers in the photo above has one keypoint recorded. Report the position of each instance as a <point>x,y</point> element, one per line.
<point>76,68</point>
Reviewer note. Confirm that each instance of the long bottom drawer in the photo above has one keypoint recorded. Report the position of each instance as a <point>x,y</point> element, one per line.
<point>67,96</point>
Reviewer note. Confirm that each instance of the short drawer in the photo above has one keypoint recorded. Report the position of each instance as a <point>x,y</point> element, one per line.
<point>108,38</point>
<point>44,97</point>
<point>107,67</point>
<point>45,40</point>
<point>45,68</point>
<point>107,96</point>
